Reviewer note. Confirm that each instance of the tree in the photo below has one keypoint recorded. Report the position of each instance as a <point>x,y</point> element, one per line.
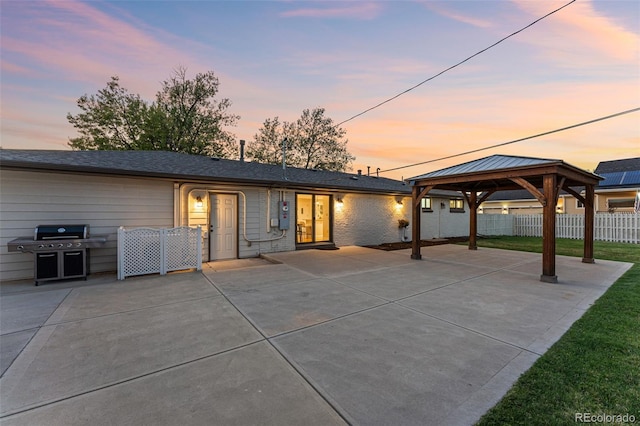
<point>313,142</point>
<point>185,117</point>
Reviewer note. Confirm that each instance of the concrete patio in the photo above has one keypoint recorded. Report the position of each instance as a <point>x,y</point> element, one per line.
<point>355,335</point>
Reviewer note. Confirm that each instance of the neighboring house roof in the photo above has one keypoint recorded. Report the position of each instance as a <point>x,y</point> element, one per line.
<point>494,162</point>
<point>623,173</point>
<point>624,165</point>
<point>180,166</point>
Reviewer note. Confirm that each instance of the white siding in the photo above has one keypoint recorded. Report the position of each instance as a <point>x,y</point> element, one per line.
<point>441,223</point>
<point>367,219</point>
<point>253,226</point>
<point>29,199</point>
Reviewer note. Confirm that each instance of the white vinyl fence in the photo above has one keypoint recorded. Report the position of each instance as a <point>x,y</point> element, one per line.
<point>615,227</point>
<point>158,251</point>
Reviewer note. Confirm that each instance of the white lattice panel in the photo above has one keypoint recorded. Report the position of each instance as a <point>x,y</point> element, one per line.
<point>182,248</point>
<point>150,251</point>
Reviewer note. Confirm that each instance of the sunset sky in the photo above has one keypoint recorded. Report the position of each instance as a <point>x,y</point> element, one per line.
<point>276,58</point>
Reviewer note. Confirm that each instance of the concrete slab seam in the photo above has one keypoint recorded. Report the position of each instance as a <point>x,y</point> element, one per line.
<point>34,328</point>
<point>479,333</point>
<point>132,310</point>
<point>317,389</point>
<point>23,348</point>
<point>126,380</point>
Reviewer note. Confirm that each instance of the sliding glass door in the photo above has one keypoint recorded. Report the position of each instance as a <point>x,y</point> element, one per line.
<point>313,218</point>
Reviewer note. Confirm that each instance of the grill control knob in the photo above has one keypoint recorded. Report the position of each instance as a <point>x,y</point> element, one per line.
<point>20,247</point>
<point>78,244</point>
<point>51,245</point>
<point>60,245</point>
<point>41,246</point>
<point>69,244</point>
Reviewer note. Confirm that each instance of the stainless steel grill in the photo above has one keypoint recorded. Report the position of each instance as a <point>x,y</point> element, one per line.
<point>60,251</point>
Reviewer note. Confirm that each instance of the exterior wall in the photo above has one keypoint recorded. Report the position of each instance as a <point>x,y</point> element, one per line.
<point>603,198</point>
<point>255,235</point>
<point>514,207</point>
<point>367,219</point>
<point>443,223</point>
<point>29,199</point>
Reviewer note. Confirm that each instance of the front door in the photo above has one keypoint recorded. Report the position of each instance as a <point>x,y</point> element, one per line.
<point>313,218</point>
<point>223,229</point>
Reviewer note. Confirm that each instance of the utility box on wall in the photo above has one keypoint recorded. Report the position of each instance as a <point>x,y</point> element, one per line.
<point>283,214</point>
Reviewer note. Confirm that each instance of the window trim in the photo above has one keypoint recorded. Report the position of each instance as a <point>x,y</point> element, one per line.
<point>427,204</point>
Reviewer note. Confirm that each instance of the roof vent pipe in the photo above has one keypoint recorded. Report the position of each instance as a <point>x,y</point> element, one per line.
<point>368,170</point>
<point>242,150</point>
<point>284,158</point>
<point>359,172</point>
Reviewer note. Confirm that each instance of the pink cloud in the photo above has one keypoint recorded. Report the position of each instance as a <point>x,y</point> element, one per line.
<point>456,16</point>
<point>360,10</point>
<point>78,42</point>
<point>580,34</point>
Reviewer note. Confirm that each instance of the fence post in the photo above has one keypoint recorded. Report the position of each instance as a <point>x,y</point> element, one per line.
<point>120,253</point>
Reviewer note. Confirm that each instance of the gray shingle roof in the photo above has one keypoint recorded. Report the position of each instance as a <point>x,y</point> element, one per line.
<point>624,165</point>
<point>494,162</point>
<point>185,167</point>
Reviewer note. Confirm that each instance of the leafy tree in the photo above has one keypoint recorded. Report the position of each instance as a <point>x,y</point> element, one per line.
<point>185,117</point>
<point>313,142</point>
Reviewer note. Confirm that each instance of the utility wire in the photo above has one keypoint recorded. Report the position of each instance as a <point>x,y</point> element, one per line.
<point>584,123</point>
<point>454,66</point>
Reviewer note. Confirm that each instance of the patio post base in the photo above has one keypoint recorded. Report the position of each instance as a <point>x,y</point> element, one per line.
<point>588,260</point>
<point>549,279</point>
<point>416,256</point>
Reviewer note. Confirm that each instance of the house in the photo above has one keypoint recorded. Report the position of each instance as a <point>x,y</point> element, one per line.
<point>245,209</point>
<point>616,193</point>
<point>619,189</point>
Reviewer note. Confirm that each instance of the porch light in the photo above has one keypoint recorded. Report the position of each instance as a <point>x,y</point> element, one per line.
<point>505,210</point>
<point>339,203</point>
<point>199,202</point>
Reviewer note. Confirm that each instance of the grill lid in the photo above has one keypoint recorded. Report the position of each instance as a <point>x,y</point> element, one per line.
<point>57,232</point>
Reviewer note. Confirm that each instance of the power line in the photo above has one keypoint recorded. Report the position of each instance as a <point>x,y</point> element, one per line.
<point>454,66</point>
<point>584,123</point>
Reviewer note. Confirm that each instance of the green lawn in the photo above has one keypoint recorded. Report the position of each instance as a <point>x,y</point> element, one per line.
<point>595,367</point>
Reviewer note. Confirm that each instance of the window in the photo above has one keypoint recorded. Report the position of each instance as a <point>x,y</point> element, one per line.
<point>579,204</point>
<point>426,204</point>
<point>620,203</point>
<point>456,205</point>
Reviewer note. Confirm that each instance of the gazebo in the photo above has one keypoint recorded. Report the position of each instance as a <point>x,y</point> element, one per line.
<point>543,178</point>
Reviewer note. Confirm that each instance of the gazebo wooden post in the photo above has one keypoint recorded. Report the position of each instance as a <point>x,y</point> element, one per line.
<point>549,230</point>
<point>473,220</point>
<point>415,223</point>
<point>588,224</point>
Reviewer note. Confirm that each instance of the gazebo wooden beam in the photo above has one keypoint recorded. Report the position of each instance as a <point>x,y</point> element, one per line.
<point>589,217</point>
<point>549,231</point>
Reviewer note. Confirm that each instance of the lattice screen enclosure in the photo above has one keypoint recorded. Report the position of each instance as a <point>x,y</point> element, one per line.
<point>144,251</point>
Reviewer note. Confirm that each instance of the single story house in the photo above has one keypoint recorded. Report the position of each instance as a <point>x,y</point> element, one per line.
<point>245,209</point>
<point>616,193</point>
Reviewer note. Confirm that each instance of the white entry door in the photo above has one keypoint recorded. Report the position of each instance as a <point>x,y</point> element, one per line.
<point>223,229</point>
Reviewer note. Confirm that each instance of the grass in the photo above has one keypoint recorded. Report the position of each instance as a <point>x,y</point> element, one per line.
<point>595,367</point>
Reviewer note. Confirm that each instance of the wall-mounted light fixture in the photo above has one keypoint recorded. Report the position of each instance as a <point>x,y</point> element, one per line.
<point>338,202</point>
<point>199,202</point>
<point>505,210</point>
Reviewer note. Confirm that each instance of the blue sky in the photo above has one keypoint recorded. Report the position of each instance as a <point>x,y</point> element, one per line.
<point>276,58</point>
